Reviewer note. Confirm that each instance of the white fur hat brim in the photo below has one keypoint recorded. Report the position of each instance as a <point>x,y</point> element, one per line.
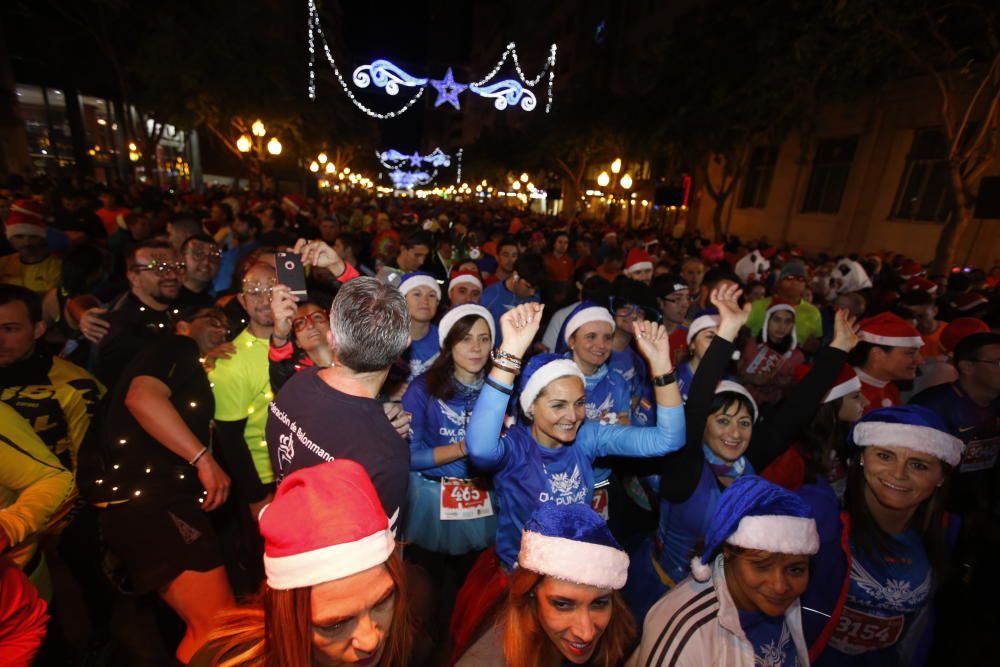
<point>414,282</point>
<point>574,561</point>
<point>585,316</point>
<point>922,439</point>
<point>465,279</point>
<point>544,376</point>
<point>457,313</point>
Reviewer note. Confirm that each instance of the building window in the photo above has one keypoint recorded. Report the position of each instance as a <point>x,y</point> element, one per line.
<point>831,167</point>
<point>760,171</point>
<point>925,190</point>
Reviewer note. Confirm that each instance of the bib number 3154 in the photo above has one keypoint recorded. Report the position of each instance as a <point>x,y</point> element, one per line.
<point>464,499</point>
<point>859,632</point>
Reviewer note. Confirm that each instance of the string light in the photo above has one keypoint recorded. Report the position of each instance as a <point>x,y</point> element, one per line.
<point>458,178</point>
<point>384,74</point>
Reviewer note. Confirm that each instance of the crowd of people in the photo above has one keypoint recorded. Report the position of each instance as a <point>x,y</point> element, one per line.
<point>242,428</point>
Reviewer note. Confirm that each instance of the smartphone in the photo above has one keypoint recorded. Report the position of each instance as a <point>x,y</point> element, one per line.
<point>291,274</point>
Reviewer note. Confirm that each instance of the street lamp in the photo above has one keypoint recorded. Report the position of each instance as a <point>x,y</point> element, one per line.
<point>243,144</point>
<point>603,179</point>
<point>258,128</point>
<point>616,166</point>
<point>322,158</point>
<point>331,168</point>
<point>314,166</point>
<point>524,178</point>
<point>516,185</point>
<point>626,181</point>
<point>274,146</point>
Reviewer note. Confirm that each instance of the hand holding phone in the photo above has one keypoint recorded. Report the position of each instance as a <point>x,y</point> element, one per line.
<point>291,274</point>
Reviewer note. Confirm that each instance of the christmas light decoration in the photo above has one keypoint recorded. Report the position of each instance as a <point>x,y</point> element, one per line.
<point>384,74</point>
<point>448,90</point>
<point>458,177</point>
<point>393,159</point>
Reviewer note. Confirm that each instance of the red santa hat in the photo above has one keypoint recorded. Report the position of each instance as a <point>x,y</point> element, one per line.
<point>847,381</point>
<point>963,303</point>
<point>959,328</point>
<point>464,277</point>
<point>889,329</point>
<point>920,284</point>
<point>778,305</point>
<point>27,217</point>
<point>294,201</point>
<point>638,260</point>
<point>325,523</point>
<point>911,269</point>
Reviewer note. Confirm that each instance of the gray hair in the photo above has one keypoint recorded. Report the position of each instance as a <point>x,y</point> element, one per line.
<point>369,325</point>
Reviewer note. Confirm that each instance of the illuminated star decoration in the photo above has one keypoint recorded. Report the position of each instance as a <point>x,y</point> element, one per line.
<point>448,90</point>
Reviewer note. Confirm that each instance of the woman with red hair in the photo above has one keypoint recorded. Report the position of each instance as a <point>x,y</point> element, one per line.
<point>335,592</point>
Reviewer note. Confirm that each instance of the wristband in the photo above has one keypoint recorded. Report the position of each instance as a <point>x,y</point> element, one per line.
<point>665,379</point>
<point>499,387</point>
<point>506,361</point>
<point>197,458</point>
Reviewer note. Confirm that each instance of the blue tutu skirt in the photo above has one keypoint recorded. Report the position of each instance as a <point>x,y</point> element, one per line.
<point>425,528</point>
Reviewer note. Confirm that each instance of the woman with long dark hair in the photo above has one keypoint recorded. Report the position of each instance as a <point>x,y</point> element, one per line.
<point>563,605</point>
<point>335,592</point>
<point>725,440</point>
<point>450,509</point>
<point>884,556</point>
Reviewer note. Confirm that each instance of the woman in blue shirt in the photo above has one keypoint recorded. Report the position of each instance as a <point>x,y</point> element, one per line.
<point>548,457</point>
<point>449,509</point>
<point>724,441</point>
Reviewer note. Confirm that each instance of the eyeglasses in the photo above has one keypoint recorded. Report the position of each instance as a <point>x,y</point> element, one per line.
<point>210,255</point>
<point>161,268</point>
<point>312,319</point>
<point>214,321</point>
<point>631,311</point>
<point>676,300</point>
<point>257,290</point>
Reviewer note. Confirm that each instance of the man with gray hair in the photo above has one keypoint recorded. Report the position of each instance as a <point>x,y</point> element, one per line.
<point>328,413</point>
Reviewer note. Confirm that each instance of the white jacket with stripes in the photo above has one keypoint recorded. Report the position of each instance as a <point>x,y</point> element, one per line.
<point>696,623</point>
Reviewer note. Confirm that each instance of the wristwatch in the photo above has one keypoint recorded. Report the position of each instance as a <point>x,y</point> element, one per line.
<point>665,379</point>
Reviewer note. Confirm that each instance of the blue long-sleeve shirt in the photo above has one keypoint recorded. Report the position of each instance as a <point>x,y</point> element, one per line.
<point>526,474</point>
<point>436,423</point>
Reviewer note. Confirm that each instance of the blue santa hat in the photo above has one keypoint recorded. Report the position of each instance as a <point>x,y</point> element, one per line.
<point>912,427</point>
<point>753,513</point>
<point>416,279</point>
<point>540,370</point>
<point>586,311</point>
<point>573,543</point>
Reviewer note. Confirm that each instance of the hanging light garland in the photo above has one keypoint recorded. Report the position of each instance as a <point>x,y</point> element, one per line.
<point>386,75</point>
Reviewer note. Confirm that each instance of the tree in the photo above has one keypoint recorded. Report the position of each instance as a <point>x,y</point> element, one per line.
<point>956,44</point>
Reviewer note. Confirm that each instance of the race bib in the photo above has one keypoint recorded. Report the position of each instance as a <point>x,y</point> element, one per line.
<point>980,455</point>
<point>858,632</point>
<point>464,499</point>
<point>599,502</point>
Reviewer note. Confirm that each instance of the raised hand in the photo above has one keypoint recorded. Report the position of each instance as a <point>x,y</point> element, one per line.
<point>844,336</point>
<point>283,308</point>
<point>519,325</point>
<point>653,342</point>
<point>726,299</point>
<point>319,254</point>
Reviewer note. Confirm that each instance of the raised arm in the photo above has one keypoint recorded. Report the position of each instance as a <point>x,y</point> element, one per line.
<point>518,327</point>
<point>777,433</point>
<point>682,470</point>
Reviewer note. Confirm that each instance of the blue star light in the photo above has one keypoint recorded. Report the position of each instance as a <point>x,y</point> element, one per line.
<point>447,89</point>
<point>416,159</point>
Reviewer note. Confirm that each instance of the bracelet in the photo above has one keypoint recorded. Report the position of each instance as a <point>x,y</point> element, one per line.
<point>197,458</point>
<point>665,379</point>
<point>499,387</point>
<point>506,361</point>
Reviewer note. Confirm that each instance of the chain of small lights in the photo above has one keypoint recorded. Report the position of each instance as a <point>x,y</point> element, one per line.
<point>458,158</point>
<point>313,25</point>
<point>549,67</point>
<point>393,159</point>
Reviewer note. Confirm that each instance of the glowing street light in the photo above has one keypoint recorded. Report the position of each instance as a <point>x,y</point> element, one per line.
<point>331,168</point>
<point>314,166</point>
<point>603,179</point>
<point>626,181</point>
<point>516,185</point>
<point>322,158</point>
<point>616,166</point>
<point>258,128</point>
<point>243,143</point>
<point>524,178</point>
<point>274,146</point>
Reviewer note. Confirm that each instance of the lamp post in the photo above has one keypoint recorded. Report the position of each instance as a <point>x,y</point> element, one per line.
<point>621,185</point>
<point>246,145</point>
